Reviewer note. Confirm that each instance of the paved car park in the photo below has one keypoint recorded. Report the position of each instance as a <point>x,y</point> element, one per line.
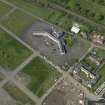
<point>48,48</point>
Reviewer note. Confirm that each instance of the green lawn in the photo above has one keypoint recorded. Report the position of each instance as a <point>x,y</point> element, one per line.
<point>49,14</point>
<point>32,7</point>
<point>4,8</point>
<point>38,10</point>
<point>43,76</point>
<point>18,22</point>
<point>55,16</point>
<point>20,97</point>
<point>66,21</point>
<point>12,53</point>
<point>100,52</point>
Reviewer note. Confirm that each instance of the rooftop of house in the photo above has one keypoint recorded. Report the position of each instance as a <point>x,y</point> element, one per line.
<point>75,29</point>
<point>98,38</point>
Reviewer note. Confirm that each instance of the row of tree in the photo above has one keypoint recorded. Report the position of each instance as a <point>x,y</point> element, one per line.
<point>75,5</point>
<point>101,2</point>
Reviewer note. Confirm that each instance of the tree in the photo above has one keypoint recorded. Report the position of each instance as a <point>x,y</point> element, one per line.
<point>68,40</point>
<point>72,4</point>
<point>99,17</point>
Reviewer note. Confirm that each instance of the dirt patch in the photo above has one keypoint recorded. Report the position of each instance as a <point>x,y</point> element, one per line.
<point>66,93</point>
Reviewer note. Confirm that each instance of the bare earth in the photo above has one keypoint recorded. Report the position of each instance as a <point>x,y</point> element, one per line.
<point>66,93</point>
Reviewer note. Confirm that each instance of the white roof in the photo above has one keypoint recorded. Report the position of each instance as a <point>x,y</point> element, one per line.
<point>75,29</point>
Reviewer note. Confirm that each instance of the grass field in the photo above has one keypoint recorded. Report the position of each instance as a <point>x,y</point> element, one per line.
<point>54,16</point>
<point>37,10</point>
<point>66,21</point>
<point>12,53</point>
<point>18,22</point>
<point>20,97</point>
<point>100,52</point>
<point>4,8</point>
<point>42,76</point>
<point>31,7</point>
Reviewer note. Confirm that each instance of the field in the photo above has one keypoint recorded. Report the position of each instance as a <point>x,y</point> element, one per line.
<point>100,52</point>
<point>12,53</point>
<point>18,22</point>
<point>38,10</point>
<point>4,8</point>
<point>20,97</point>
<point>42,75</point>
<point>31,7</point>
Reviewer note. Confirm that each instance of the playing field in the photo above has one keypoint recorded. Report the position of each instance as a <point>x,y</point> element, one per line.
<point>42,75</point>
<point>18,22</point>
<point>4,8</point>
<point>12,53</point>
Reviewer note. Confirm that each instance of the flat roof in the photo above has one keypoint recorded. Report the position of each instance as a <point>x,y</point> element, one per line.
<point>75,29</point>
